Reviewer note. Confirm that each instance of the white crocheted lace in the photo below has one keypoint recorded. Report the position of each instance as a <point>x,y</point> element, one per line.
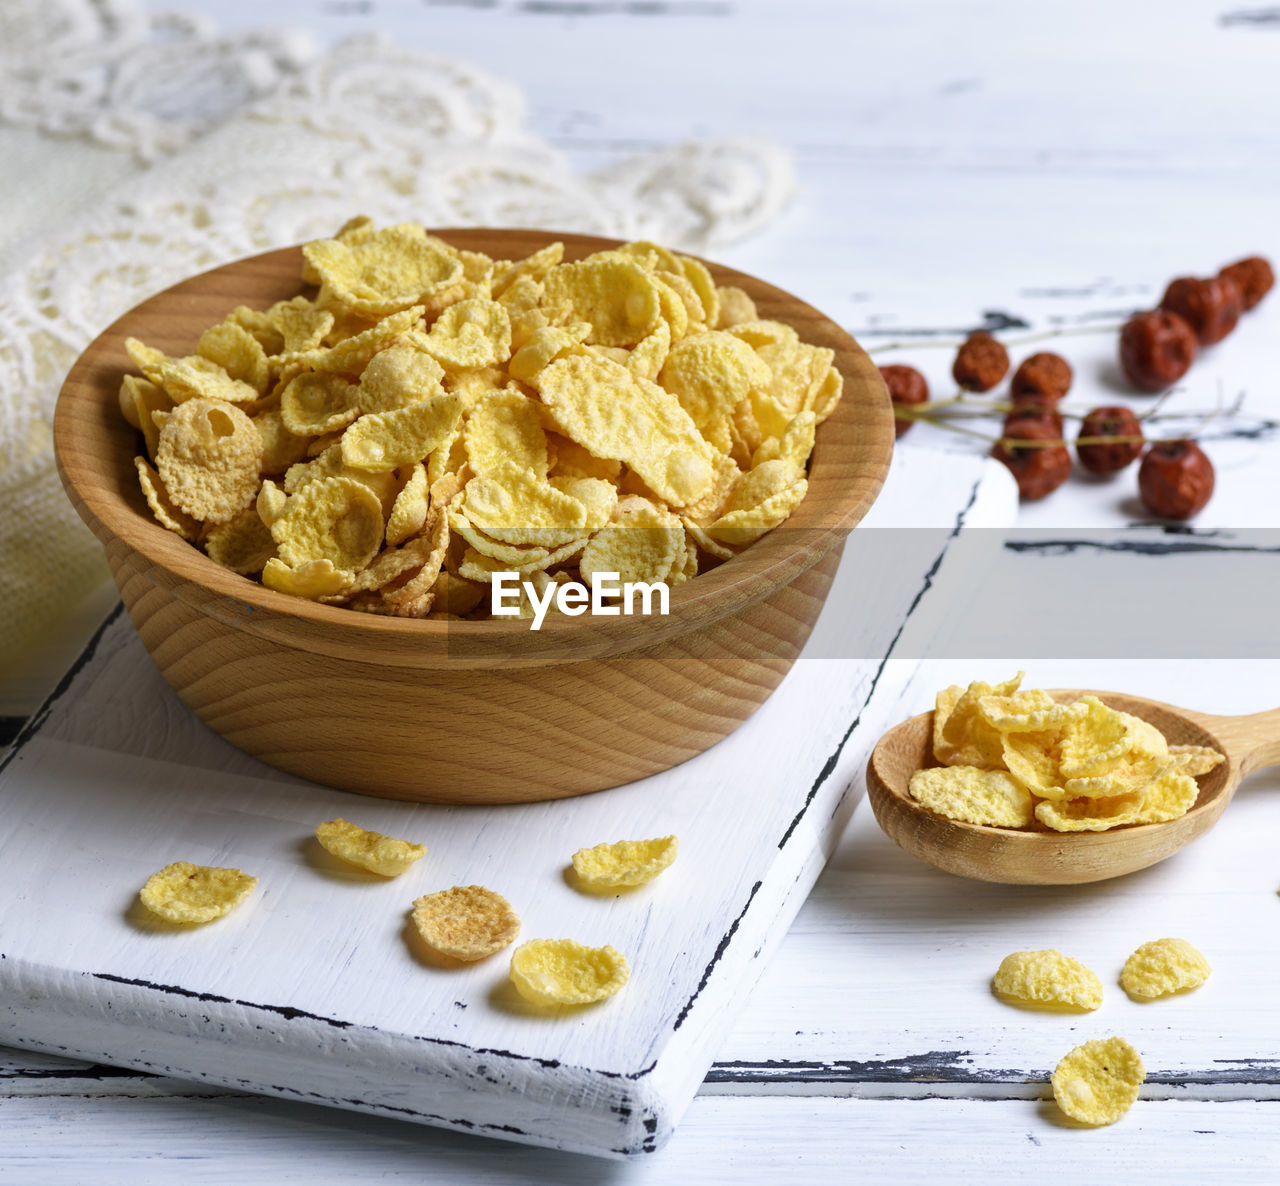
<point>152,148</point>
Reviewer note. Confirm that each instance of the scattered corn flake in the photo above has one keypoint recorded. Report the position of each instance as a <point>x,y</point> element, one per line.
<point>187,893</point>
<point>566,972</point>
<point>533,269</point>
<point>502,556</point>
<point>973,796</point>
<point>270,502</point>
<point>1163,967</point>
<point>597,495</point>
<point>300,324</point>
<point>467,922</point>
<point>1097,1083</point>
<point>380,854</point>
<point>624,863</point>
<point>1047,978</point>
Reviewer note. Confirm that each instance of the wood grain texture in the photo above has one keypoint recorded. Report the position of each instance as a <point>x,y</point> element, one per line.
<point>1038,856</point>
<point>341,698</point>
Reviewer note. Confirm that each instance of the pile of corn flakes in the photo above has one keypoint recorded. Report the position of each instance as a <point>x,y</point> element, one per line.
<point>1013,758</point>
<point>432,416</point>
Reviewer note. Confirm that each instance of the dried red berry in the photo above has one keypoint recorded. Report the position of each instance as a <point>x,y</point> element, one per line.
<point>1038,469</point>
<point>1043,374</point>
<point>1175,479</point>
<point>980,363</point>
<point>1254,278</point>
<point>1109,457</point>
<point>1211,307</point>
<point>906,386</point>
<point>1156,349</point>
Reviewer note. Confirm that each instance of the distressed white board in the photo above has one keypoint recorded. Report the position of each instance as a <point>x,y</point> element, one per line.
<point>314,990</point>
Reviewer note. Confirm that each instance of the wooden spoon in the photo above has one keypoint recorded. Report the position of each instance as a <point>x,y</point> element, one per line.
<point>1035,857</point>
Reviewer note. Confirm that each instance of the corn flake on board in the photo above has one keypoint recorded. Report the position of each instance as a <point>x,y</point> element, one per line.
<point>314,989</point>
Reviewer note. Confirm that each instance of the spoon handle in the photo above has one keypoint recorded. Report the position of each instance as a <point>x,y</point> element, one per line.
<point>1253,740</point>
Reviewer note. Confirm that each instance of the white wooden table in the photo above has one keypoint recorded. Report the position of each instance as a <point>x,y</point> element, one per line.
<point>1050,165</point>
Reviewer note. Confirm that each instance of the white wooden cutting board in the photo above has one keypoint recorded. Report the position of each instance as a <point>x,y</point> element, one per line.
<point>315,989</point>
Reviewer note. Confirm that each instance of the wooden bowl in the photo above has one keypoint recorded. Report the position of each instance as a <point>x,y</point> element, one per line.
<point>461,712</point>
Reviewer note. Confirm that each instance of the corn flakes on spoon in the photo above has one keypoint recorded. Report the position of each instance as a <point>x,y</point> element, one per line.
<point>1036,856</point>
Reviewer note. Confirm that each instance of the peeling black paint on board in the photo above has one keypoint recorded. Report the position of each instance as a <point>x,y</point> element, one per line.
<point>721,948</point>
<point>830,764</point>
<point>931,1066</point>
<point>41,714</point>
<point>993,321</point>
<point>1066,547</point>
<point>1251,18</point>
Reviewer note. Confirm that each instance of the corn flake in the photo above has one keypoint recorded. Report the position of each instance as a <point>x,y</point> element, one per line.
<point>1097,1083</point>
<point>380,854</point>
<point>1163,967</point>
<point>162,506</point>
<point>566,972</point>
<point>334,519</point>
<point>187,893</point>
<point>383,441</point>
<point>1197,759</point>
<point>610,292</point>
<point>624,863</point>
<point>973,795</point>
<point>242,544</point>
<point>386,272</point>
<point>1047,978</point>
<point>467,922</point>
<point>209,456</point>
<point>610,412</point>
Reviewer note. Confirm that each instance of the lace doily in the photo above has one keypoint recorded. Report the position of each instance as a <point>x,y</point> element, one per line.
<point>240,144</point>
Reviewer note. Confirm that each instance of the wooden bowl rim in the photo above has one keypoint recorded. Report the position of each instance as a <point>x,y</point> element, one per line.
<point>83,451</point>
